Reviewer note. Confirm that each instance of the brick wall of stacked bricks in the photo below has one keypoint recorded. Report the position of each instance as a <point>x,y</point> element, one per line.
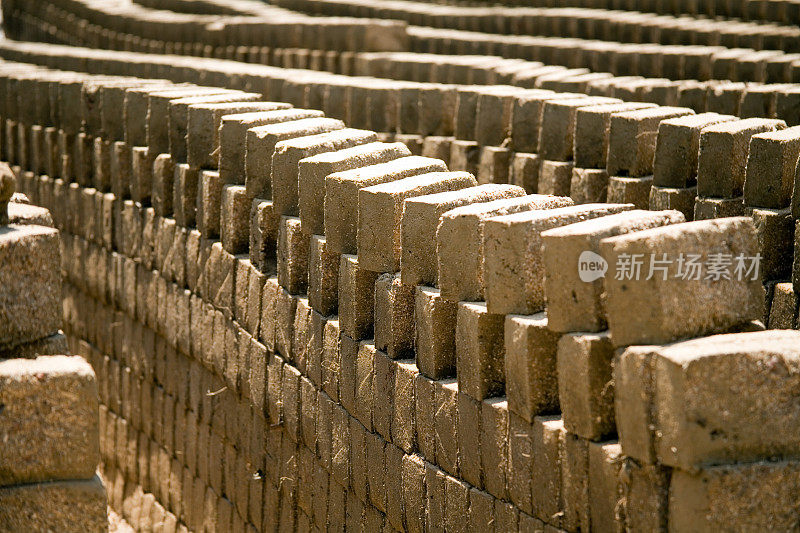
<point>317,299</point>
<point>49,424</point>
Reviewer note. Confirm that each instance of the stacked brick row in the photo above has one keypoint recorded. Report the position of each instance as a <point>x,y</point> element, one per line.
<point>500,141</point>
<point>49,415</point>
<point>236,38</point>
<point>143,29</point>
<point>331,339</point>
<point>782,11</point>
<point>777,100</point>
<point>569,22</point>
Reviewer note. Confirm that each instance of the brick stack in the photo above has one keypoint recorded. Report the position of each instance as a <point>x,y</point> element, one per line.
<point>49,420</point>
<point>333,301</point>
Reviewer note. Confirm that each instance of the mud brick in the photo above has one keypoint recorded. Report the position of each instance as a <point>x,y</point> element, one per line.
<point>394,316</point>
<point>323,276</point>
<point>341,188</point>
<point>354,512</point>
<point>358,459</point>
<point>678,199</point>
<point>260,146</point>
<point>305,484</point>
<point>667,299</point>
<point>379,235</point>
<point>632,139</point>
<point>331,359</point>
<point>163,184</point>
<point>494,446</point>
<point>468,411</point>
<point>288,183</point>
<point>336,506</point>
<point>783,309</point>
<point>376,470</point>
<point>347,365</point>
<point>413,492</point>
<point>456,504</point>
<point>574,304</point>
<point>493,164</point>
<point>526,118</point>
<point>466,112</point>
<point>726,97</point>
<point>446,424</point>
<point>759,101</point>
<point>588,185</point>
<point>101,172</point>
<point>512,245</point>
<point>292,253</point>
<point>435,333</point>
<point>435,497</point>
<point>316,346</point>
<point>575,483</point>
<point>519,464</point>
<point>356,298</point>
<point>506,516</point>
<point>592,126</point>
<point>30,259</point>
<point>329,443</point>
<point>481,510</point>
<point>221,285</point>
<point>301,335</point>
<point>383,394</point>
<point>586,389</point>
<point>233,136</point>
<point>465,156</point>
<point>548,450</point>
<point>425,412</point>
<point>555,178</point>
<point>364,378</point>
<point>269,300</point>
<point>436,109</point>
<point>524,171</point>
<point>770,171</point>
<point>774,228</point>
<point>723,155</point>
<point>288,486</point>
<point>420,219</point>
<point>530,365</point>
<point>56,505</point>
<point>339,439</point>
<point>633,377</point>
<point>686,445</point>
<point>706,208</point>
<point>479,351</point>
<point>675,163</point>
<point>436,147</point>
<point>645,504</point>
<point>493,108</point>
<point>156,117</point>
<point>184,195</point>
<point>255,285</point>
<point>604,485</point>
<point>285,311</point>
<point>264,226</point>
<point>558,121</point>
<point>234,227</point>
<point>209,204</point>
<point>69,383</point>
<point>202,129</point>
<point>709,496</point>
